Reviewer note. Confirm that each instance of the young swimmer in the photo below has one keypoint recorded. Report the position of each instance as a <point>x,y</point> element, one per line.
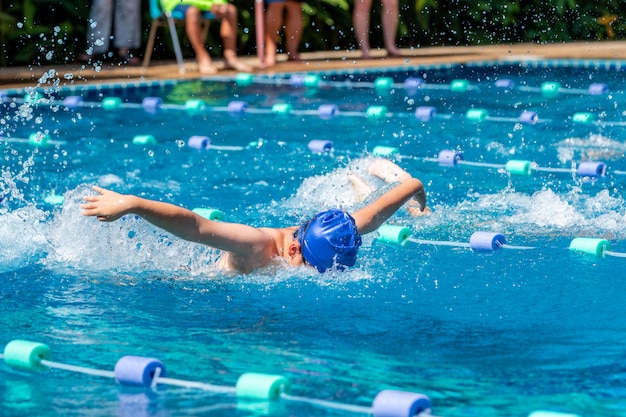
<point>330,239</point>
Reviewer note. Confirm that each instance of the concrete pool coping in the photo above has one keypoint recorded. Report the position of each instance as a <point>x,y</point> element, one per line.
<point>77,73</point>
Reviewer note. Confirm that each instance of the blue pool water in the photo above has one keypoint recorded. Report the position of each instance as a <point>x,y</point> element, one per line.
<point>501,333</point>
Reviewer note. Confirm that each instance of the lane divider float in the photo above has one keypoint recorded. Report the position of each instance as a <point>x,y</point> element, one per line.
<point>486,241</point>
<point>138,371</point>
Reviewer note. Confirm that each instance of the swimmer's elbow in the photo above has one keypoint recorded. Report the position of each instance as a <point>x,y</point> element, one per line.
<point>416,185</point>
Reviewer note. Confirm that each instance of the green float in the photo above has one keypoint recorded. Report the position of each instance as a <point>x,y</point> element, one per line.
<point>583,118</point>
<point>244,79</point>
<point>111,103</point>
<point>383,83</point>
<point>385,151</point>
<point>459,86</point>
<point>550,89</point>
<point>38,139</point>
<point>195,105</point>
<point>311,80</point>
<point>209,213</point>
<point>27,355</point>
<point>144,140</point>
<point>393,234</point>
<point>477,115</point>
<point>281,108</point>
<point>376,112</point>
<point>261,386</point>
<point>517,167</point>
<point>592,246</point>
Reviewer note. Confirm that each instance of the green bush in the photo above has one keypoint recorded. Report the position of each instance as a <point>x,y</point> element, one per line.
<point>35,32</point>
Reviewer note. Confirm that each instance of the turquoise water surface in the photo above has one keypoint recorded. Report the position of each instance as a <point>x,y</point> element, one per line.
<point>500,333</point>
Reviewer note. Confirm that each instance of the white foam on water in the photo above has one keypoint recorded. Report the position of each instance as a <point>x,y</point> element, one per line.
<point>545,212</point>
<point>128,244</point>
<point>23,238</point>
<point>595,147</point>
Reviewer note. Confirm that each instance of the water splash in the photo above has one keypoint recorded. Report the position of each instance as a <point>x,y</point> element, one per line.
<point>544,212</point>
<point>22,238</point>
<point>593,147</point>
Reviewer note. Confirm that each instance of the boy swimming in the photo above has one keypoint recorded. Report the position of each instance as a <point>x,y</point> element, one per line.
<point>330,239</point>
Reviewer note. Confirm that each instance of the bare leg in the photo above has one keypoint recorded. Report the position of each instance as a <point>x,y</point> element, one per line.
<point>228,32</point>
<point>361,22</point>
<point>193,27</point>
<point>273,24</point>
<point>293,29</point>
<point>390,25</point>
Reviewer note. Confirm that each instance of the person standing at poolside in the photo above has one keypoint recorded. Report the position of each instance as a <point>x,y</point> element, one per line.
<point>330,240</point>
<point>273,25</point>
<point>389,20</point>
<point>222,10</point>
<point>122,15</point>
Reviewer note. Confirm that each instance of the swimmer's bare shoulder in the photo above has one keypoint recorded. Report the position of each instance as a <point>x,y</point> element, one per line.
<point>269,244</point>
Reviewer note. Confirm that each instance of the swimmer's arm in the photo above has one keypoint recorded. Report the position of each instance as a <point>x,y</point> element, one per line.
<point>240,239</point>
<point>390,172</point>
<point>371,217</point>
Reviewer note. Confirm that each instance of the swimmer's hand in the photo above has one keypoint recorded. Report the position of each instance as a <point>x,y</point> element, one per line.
<point>107,206</point>
<point>414,209</point>
<point>390,172</point>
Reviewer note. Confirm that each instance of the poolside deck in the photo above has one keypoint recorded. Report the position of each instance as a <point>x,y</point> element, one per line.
<point>20,77</point>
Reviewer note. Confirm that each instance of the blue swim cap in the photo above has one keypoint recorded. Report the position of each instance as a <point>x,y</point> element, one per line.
<point>329,239</point>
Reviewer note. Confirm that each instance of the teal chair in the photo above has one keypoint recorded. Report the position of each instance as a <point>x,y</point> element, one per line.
<point>170,20</point>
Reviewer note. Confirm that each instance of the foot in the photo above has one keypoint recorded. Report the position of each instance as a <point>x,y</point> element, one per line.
<point>206,67</point>
<point>265,65</point>
<point>293,57</point>
<point>393,52</point>
<point>125,57</point>
<point>85,58</point>
<point>237,65</point>
<point>90,59</point>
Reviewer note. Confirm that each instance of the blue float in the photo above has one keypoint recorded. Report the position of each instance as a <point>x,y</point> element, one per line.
<point>320,146</point>
<point>152,104</point>
<point>591,169</point>
<point>425,113</point>
<point>327,111</point>
<point>137,370</point>
<point>392,403</point>
<point>412,83</point>
<point>237,107</point>
<point>598,89</point>
<point>297,80</point>
<point>505,83</point>
<point>487,241</point>
<point>449,157</point>
<point>529,117</point>
<point>199,142</point>
<point>72,102</point>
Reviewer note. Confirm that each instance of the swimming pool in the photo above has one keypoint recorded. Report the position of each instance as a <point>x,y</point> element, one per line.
<point>481,333</point>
